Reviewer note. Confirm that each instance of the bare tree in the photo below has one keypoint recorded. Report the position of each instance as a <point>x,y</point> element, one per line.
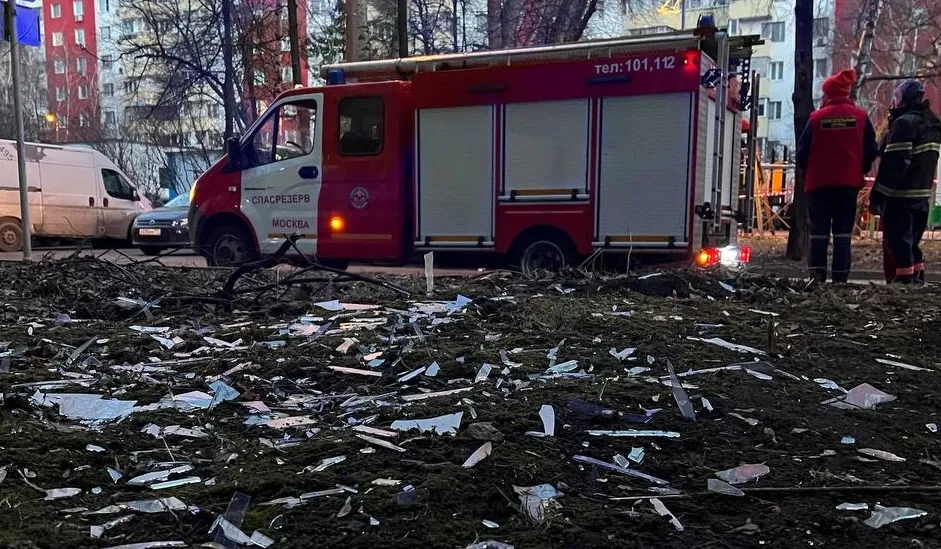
<point>903,41</point>
<point>33,78</point>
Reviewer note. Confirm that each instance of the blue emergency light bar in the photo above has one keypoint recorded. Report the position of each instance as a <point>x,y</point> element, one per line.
<point>335,77</point>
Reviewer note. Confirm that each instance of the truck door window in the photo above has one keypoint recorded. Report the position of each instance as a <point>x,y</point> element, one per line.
<point>116,186</point>
<point>293,124</point>
<point>361,126</point>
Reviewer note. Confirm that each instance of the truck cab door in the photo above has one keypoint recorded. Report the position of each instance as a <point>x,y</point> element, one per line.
<point>281,173</point>
<point>118,205</point>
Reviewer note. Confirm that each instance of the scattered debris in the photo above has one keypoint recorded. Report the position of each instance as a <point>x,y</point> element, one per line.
<point>744,473</point>
<point>887,515</point>
<point>478,455</point>
<point>664,512</point>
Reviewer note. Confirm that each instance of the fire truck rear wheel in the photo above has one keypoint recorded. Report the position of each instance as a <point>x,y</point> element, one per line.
<point>545,255</point>
<point>229,246</point>
<point>11,235</point>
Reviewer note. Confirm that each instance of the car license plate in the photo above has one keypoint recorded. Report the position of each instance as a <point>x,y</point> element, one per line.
<point>150,232</point>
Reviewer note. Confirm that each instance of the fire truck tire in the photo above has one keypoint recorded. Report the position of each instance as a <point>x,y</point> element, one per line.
<point>11,235</point>
<point>545,253</point>
<point>229,246</point>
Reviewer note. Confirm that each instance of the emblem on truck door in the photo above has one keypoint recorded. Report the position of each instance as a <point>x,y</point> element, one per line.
<point>359,198</point>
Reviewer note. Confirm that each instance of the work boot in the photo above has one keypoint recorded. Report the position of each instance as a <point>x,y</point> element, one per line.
<point>818,276</point>
<point>920,277</point>
<point>905,280</point>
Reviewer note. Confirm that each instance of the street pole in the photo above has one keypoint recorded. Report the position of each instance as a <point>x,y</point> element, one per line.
<point>401,27</point>
<point>294,38</point>
<point>10,25</point>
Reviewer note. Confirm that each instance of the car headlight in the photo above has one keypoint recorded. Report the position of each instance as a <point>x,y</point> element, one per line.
<point>181,222</point>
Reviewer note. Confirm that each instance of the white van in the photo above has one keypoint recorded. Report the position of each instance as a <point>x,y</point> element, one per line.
<point>74,192</point>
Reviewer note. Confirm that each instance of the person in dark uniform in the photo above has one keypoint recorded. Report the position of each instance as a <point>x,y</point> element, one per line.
<point>835,152</point>
<point>905,182</point>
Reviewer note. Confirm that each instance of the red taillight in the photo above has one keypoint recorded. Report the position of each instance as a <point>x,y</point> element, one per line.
<point>744,255</point>
<point>708,257</point>
<point>690,60</point>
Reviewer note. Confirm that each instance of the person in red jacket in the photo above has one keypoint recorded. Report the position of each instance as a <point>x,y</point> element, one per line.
<point>835,152</point>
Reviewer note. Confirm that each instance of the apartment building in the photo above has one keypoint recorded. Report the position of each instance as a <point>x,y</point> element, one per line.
<point>71,47</point>
<point>773,20</point>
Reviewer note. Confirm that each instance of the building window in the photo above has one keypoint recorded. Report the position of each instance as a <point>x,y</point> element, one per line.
<point>107,62</point>
<point>773,31</point>
<point>104,5</point>
<point>108,90</point>
<point>130,27</point>
<point>130,85</point>
<point>60,94</point>
<point>361,126</point>
<point>57,39</point>
<point>774,110</point>
<point>78,9</point>
<point>110,118</point>
<point>762,106</point>
<point>82,120</point>
<point>285,44</point>
<point>55,11</point>
<point>58,66</point>
<point>821,68</point>
<point>80,37</point>
<point>821,31</point>
<point>83,92</point>
<point>693,4</point>
<point>287,75</point>
<point>81,65</point>
<point>259,77</point>
<point>214,110</point>
<point>105,33</point>
<point>777,70</point>
<point>733,27</point>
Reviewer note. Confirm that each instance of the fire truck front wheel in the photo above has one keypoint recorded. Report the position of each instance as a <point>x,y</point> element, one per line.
<point>229,246</point>
<point>544,253</point>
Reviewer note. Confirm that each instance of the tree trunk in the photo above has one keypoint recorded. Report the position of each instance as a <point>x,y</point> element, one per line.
<point>228,78</point>
<point>455,39</point>
<point>494,32</point>
<point>351,43</point>
<point>798,239</point>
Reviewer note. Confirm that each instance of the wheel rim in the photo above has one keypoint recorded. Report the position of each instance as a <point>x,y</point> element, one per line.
<point>229,251</point>
<point>543,256</point>
<point>8,236</point>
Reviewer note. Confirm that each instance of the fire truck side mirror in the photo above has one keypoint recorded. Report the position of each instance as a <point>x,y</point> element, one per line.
<point>234,152</point>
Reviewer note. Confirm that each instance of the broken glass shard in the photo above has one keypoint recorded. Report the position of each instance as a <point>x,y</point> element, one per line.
<point>664,512</point>
<point>619,469</point>
<point>852,507</point>
<point>441,425</point>
<point>735,347</point>
<point>887,515</point>
<point>716,485</point>
<point>485,450</point>
<point>863,396</point>
<point>744,473</point>
<point>880,454</point>
<point>679,394</point>
<point>634,433</point>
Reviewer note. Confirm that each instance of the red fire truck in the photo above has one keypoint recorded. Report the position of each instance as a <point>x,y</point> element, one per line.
<point>540,154</point>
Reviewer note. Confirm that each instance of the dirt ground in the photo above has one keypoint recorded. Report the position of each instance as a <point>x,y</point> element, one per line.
<point>62,330</point>
<point>768,253</point>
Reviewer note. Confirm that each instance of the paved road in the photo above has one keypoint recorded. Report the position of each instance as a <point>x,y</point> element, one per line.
<point>180,259</point>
